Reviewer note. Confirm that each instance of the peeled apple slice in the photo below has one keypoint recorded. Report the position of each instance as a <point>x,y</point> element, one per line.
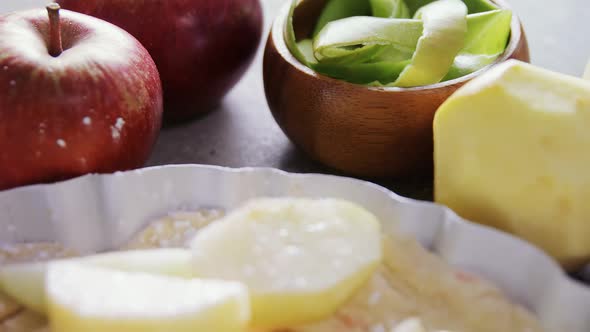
<point>26,282</point>
<point>511,151</point>
<point>170,262</point>
<point>300,258</point>
<point>445,27</point>
<point>84,298</point>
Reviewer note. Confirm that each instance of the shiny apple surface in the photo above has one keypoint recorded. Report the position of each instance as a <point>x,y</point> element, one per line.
<point>96,107</point>
<point>201,47</point>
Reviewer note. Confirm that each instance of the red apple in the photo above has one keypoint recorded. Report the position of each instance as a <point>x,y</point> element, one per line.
<point>77,95</point>
<point>201,47</point>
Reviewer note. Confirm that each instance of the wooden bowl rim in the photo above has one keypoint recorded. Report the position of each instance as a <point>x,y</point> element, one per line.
<point>278,38</point>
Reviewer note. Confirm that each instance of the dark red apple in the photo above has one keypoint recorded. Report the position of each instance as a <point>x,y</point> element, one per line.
<point>77,95</point>
<point>201,47</point>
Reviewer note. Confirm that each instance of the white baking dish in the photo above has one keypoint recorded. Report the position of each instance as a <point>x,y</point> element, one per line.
<point>96,213</point>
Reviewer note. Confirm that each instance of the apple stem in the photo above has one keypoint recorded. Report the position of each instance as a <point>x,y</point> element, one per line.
<point>55,44</point>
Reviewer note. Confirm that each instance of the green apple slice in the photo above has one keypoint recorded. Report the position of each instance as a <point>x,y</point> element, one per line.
<point>26,282</point>
<point>300,258</point>
<point>84,298</point>
<point>511,151</point>
<point>390,8</point>
<point>445,28</point>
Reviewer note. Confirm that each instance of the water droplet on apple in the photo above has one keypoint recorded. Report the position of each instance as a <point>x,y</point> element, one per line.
<point>120,123</point>
<point>12,83</point>
<point>5,67</point>
<point>117,127</point>
<point>87,121</point>
<point>61,143</point>
<point>38,154</point>
<point>115,133</point>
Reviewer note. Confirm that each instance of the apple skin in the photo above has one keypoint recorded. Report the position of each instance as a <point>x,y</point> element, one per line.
<point>95,108</point>
<point>201,47</point>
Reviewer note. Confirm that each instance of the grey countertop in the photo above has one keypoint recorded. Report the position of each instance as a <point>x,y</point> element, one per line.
<point>241,132</point>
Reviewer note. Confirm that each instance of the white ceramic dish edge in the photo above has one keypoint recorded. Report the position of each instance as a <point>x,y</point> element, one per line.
<point>98,212</point>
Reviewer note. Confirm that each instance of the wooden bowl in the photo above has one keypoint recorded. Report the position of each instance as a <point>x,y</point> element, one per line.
<point>360,130</point>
